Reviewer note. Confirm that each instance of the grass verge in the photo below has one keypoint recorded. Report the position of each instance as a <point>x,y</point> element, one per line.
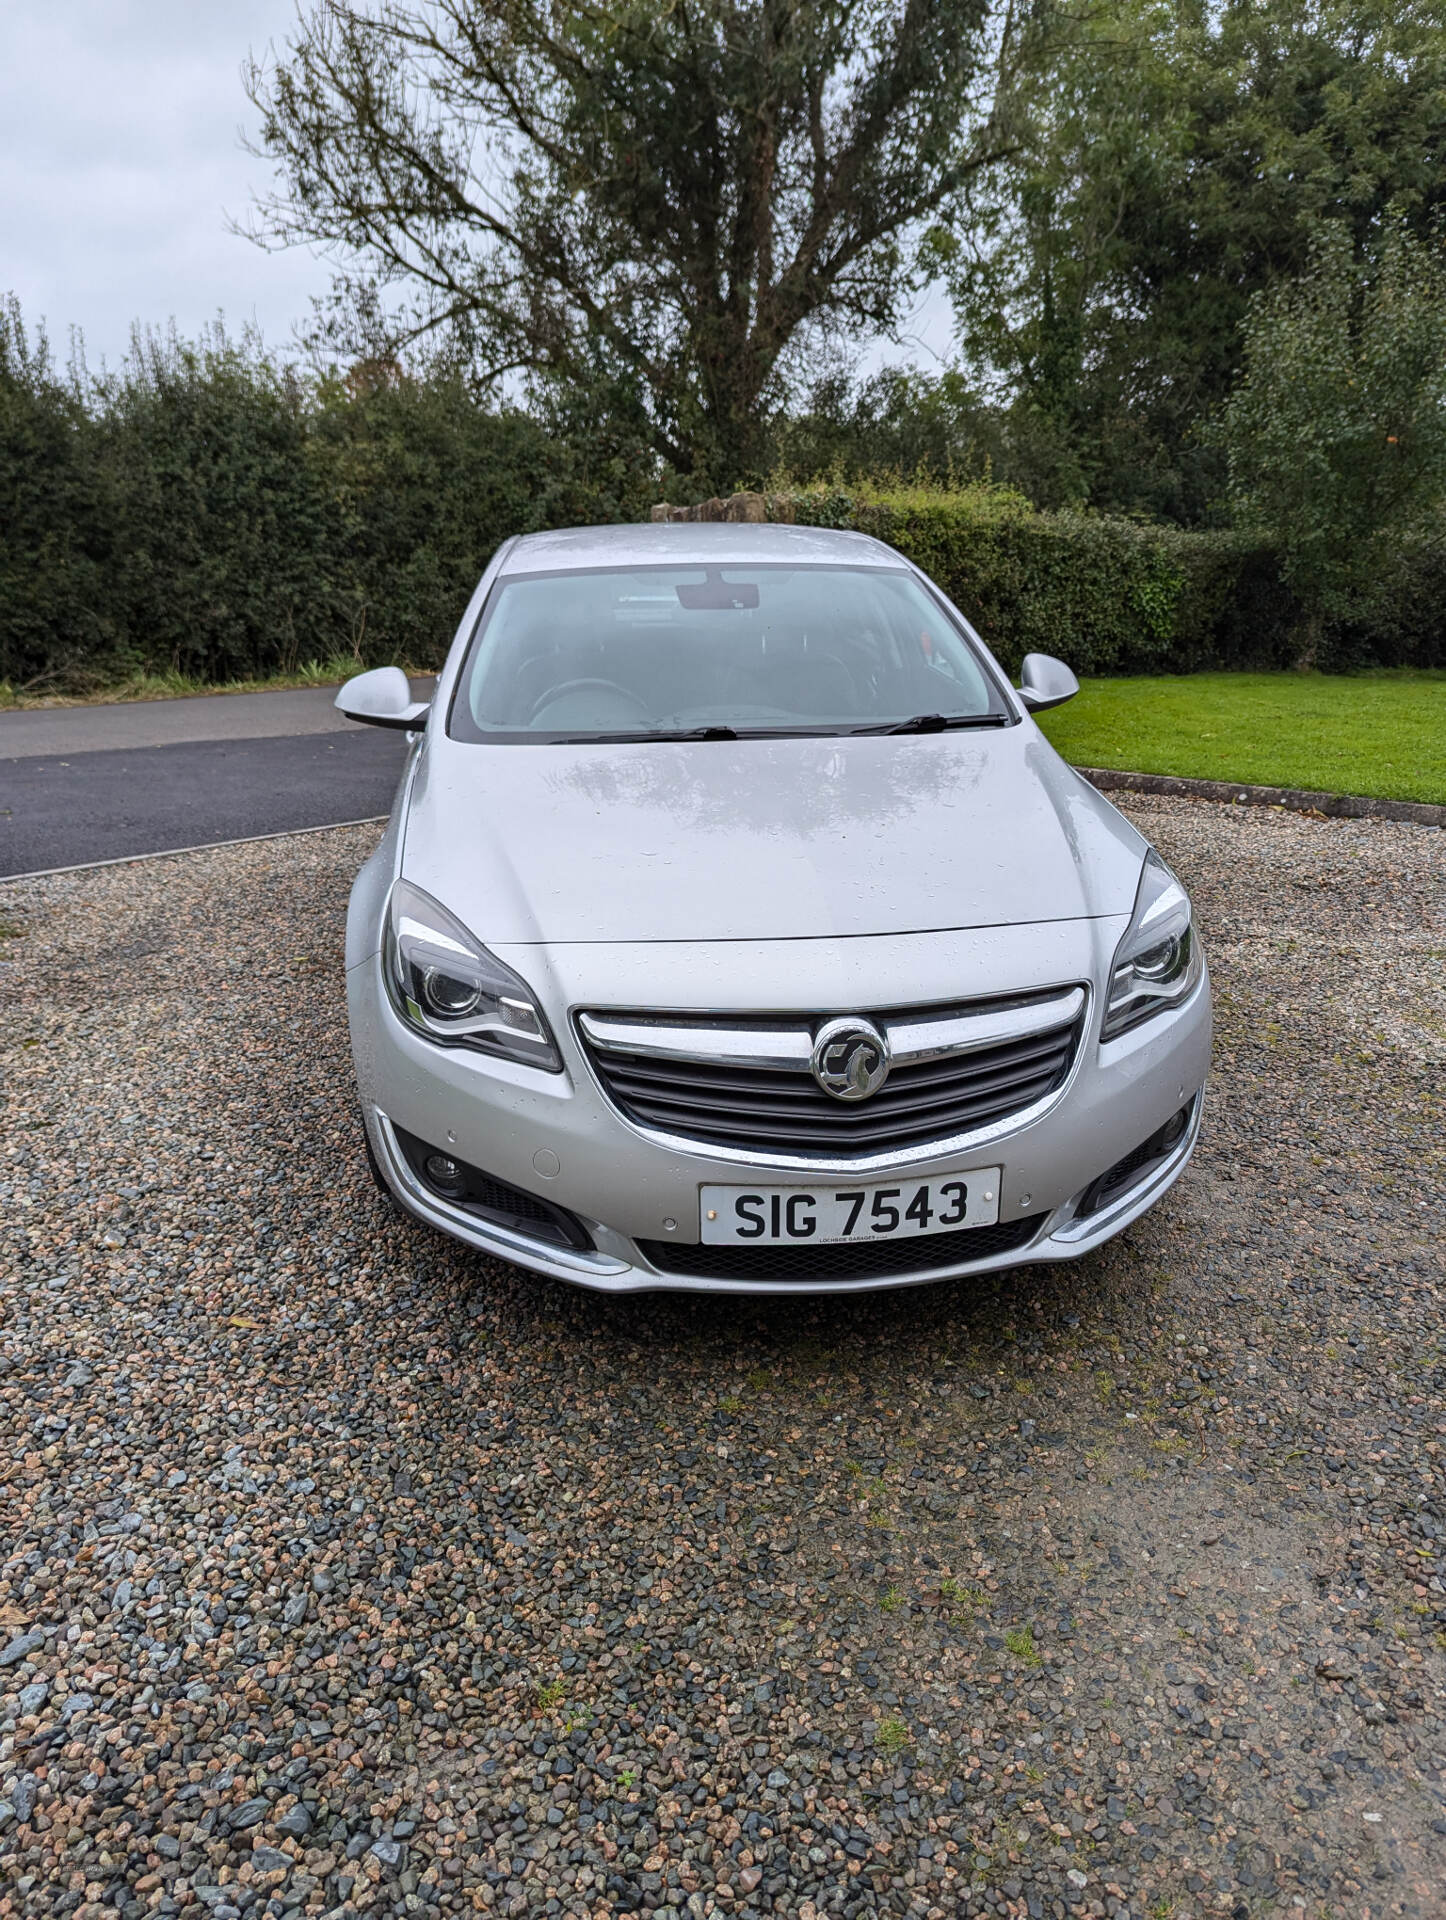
<point>1380,733</point>
<point>175,686</point>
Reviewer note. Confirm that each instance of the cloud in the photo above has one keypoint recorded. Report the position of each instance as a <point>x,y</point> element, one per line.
<point>121,157</point>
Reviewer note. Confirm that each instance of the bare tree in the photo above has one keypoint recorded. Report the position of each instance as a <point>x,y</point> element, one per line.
<point>663,197</point>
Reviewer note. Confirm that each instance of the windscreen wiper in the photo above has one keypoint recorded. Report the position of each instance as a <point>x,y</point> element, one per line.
<point>716,732</point>
<point>936,723</point>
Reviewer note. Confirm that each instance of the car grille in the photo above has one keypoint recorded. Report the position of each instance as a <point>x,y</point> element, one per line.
<point>692,1091</point>
<point>850,1260</point>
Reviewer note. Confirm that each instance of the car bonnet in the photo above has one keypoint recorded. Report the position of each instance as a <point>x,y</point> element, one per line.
<point>763,839</point>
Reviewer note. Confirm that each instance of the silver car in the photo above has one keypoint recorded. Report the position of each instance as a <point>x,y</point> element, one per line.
<point>736,930</point>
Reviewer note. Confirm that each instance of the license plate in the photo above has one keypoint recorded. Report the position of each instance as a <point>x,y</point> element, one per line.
<point>830,1212</point>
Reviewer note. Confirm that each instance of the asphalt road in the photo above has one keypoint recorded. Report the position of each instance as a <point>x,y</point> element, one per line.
<point>83,784</point>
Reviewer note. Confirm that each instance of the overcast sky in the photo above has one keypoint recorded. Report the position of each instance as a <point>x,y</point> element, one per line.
<point>121,124</point>
<point>120,159</point>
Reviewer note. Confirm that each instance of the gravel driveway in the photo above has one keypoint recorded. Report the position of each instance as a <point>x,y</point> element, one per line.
<point>349,1572</point>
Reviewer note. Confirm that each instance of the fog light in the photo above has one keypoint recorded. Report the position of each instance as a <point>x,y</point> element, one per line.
<point>445,1174</point>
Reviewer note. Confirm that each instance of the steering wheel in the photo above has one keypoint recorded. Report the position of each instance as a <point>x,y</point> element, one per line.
<point>833,660</point>
<point>587,686</point>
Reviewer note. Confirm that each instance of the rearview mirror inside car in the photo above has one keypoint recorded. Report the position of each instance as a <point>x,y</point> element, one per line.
<point>1045,682</point>
<point>717,595</point>
<point>382,698</point>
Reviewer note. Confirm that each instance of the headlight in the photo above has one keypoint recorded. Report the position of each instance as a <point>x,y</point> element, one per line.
<point>1158,961</point>
<point>448,987</point>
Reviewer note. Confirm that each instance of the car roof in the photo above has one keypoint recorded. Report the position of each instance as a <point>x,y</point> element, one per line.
<point>693,543</point>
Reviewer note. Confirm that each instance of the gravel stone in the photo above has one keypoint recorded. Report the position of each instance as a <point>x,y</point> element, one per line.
<point>1104,1589</point>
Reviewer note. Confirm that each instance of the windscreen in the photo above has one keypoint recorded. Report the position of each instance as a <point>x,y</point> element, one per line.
<point>664,652</point>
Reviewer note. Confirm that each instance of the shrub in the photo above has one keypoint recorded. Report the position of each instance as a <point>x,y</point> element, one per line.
<point>208,512</point>
<point>55,525</point>
<point>1113,595</point>
<point>224,556</point>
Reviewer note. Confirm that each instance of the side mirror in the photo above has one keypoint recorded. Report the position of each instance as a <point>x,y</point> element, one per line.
<point>382,698</point>
<point>1045,682</point>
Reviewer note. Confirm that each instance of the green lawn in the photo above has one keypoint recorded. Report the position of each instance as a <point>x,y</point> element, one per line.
<point>1377,733</point>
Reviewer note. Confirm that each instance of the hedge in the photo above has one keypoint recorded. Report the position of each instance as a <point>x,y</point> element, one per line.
<point>207,512</point>
<point>1120,596</point>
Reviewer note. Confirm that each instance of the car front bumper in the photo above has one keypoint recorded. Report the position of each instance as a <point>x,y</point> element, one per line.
<point>557,1136</point>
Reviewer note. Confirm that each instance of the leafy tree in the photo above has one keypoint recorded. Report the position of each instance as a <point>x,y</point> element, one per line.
<point>664,203</point>
<point>900,421</point>
<point>1179,159</point>
<point>1336,434</point>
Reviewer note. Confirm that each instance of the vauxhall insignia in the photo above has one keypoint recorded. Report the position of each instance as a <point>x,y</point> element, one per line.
<point>850,1058</point>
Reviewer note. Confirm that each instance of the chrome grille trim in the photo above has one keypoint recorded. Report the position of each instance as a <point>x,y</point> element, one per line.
<point>738,1087</point>
<point>787,1048</point>
<point>774,1049</point>
<point>912,1042</point>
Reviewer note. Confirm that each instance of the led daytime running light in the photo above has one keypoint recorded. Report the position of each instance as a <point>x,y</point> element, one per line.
<point>450,989</point>
<point>1158,962</point>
